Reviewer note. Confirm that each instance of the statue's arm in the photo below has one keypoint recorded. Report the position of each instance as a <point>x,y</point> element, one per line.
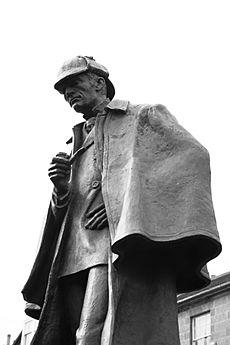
<point>59,174</point>
<point>59,203</point>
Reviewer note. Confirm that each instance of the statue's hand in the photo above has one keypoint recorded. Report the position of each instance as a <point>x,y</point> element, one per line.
<point>59,172</point>
<point>98,218</point>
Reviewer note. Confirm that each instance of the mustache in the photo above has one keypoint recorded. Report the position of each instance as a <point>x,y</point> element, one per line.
<point>72,100</point>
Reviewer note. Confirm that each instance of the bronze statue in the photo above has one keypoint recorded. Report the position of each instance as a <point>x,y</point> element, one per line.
<point>130,223</point>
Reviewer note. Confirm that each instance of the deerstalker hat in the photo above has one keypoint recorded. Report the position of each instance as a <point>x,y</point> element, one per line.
<point>81,64</point>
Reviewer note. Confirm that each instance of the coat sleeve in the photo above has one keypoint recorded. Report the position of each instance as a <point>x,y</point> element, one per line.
<point>35,287</point>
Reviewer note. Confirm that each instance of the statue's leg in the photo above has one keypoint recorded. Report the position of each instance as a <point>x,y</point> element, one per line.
<point>94,308</point>
<point>73,292</point>
<point>147,308</point>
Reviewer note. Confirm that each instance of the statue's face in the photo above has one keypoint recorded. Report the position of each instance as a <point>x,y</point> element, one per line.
<point>81,94</point>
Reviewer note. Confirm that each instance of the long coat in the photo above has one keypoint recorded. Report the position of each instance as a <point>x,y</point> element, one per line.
<point>156,189</point>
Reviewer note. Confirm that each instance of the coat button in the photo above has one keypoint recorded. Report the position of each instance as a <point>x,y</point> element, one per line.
<point>95,184</point>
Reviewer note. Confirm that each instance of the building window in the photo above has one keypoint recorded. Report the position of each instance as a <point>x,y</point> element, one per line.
<point>201,329</point>
<point>30,326</point>
<point>28,338</point>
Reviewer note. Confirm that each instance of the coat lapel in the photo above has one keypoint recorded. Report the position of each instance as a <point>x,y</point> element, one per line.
<point>78,146</point>
<point>89,140</point>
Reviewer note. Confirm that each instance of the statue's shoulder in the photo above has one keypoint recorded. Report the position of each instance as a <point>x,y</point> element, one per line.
<point>151,114</point>
<point>153,111</point>
<point>131,108</point>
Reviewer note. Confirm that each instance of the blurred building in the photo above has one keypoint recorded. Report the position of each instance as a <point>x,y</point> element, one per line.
<point>28,331</point>
<point>204,315</point>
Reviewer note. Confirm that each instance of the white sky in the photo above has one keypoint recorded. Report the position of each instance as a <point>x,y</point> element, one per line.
<point>170,52</point>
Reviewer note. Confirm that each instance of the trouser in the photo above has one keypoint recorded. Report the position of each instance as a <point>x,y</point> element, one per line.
<point>85,298</point>
<point>145,309</point>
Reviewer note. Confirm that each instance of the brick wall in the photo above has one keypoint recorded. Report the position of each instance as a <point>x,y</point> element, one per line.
<point>184,327</point>
<point>219,307</point>
<point>220,320</point>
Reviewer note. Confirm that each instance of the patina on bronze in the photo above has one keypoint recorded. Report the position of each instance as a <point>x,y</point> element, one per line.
<point>130,223</point>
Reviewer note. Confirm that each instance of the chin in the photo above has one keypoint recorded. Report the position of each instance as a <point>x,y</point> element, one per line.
<point>86,110</point>
<point>77,108</point>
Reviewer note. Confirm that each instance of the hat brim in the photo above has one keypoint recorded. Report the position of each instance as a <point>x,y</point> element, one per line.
<point>62,83</point>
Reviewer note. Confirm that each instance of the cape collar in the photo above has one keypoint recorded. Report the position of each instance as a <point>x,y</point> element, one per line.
<point>117,104</point>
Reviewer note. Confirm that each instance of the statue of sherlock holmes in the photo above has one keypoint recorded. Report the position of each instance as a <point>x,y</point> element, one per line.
<point>130,223</point>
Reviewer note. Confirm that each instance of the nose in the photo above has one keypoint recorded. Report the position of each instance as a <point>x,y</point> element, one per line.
<point>69,91</point>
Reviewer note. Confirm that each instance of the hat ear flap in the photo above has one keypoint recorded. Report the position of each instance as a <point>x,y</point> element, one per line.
<point>110,89</point>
